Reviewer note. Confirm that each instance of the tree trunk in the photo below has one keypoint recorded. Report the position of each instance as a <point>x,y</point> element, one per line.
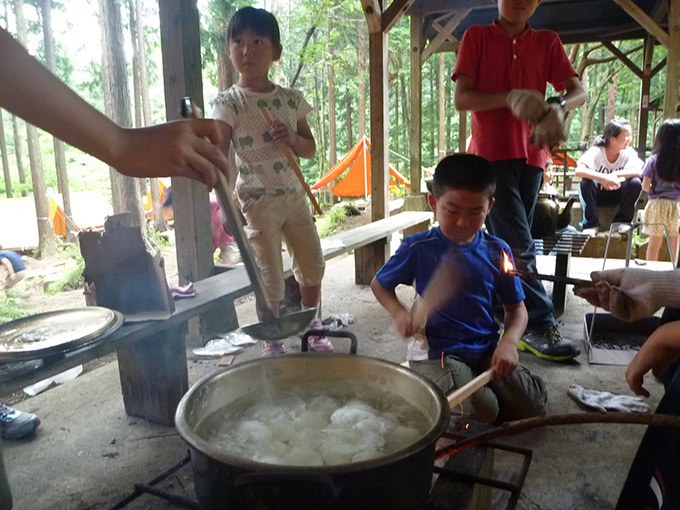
<point>19,152</point>
<point>117,101</point>
<point>363,57</point>
<point>611,97</point>
<point>47,242</point>
<point>405,111</point>
<point>442,108</point>
<point>134,42</point>
<point>59,151</point>
<point>350,136</point>
<point>5,159</point>
<point>332,143</point>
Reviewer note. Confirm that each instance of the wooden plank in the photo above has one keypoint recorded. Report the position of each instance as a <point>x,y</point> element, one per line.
<point>373,14</point>
<point>369,259</point>
<point>154,376</point>
<point>394,13</point>
<point>443,34</point>
<point>645,20</point>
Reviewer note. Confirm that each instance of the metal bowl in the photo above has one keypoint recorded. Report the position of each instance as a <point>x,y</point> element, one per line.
<point>56,332</point>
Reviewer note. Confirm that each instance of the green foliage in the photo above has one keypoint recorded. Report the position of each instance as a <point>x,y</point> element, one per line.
<point>10,310</point>
<point>331,221</point>
<point>72,280</point>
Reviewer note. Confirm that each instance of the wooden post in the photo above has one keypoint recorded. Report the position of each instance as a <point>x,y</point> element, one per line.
<point>416,127</point>
<point>643,119</point>
<point>154,394</point>
<point>670,103</point>
<point>180,40</point>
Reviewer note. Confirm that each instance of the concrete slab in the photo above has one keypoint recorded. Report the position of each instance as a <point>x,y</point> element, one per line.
<point>88,454</point>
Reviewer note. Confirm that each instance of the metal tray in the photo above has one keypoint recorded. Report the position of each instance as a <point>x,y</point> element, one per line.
<point>57,332</point>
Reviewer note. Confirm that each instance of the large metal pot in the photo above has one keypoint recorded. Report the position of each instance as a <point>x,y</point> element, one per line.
<point>400,480</point>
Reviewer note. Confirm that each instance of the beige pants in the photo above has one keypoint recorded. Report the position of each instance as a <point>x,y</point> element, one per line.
<point>284,218</point>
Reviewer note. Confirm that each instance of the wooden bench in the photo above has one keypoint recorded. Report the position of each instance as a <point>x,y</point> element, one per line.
<point>152,355</point>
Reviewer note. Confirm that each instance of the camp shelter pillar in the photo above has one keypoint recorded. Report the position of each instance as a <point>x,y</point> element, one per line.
<point>670,104</point>
<point>415,201</point>
<point>643,119</point>
<point>181,50</point>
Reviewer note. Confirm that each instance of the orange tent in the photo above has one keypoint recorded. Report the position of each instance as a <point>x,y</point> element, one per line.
<point>357,181</point>
<point>558,156</point>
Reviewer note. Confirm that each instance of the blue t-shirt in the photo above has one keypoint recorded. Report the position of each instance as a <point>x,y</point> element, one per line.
<point>465,327</point>
<point>15,260</point>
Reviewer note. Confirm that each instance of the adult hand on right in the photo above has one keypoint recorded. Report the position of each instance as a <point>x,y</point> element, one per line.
<point>632,293</point>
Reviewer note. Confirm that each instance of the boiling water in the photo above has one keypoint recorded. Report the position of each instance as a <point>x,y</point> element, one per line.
<point>315,425</point>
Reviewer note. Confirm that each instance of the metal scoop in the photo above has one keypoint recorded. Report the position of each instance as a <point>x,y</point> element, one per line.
<point>276,328</point>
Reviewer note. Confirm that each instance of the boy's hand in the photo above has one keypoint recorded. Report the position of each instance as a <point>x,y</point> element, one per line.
<point>549,130</point>
<point>528,105</point>
<point>505,359</point>
<point>405,323</point>
<point>657,354</point>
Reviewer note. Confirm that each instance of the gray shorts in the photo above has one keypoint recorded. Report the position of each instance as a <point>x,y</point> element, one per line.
<point>517,396</point>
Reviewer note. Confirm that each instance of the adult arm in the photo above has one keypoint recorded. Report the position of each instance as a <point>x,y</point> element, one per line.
<point>505,357</point>
<point>632,293</point>
<point>183,148</point>
<point>657,354</point>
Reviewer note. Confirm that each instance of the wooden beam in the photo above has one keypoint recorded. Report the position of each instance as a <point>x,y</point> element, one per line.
<point>670,103</point>
<point>444,33</point>
<point>394,13</point>
<point>623,58</point>
<point>181,51</point>
<point>645,20</point>
<point>373,14</point>
<point>416,124</point>
<point>658,67</point>
<point>377,49</point>
<point>643,120</point>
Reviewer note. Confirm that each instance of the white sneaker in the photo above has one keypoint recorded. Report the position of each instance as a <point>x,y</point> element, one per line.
<point>591,232</point>
<point>622,228</point>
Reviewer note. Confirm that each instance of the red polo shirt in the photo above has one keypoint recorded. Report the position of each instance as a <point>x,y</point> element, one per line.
<point>500,63</point>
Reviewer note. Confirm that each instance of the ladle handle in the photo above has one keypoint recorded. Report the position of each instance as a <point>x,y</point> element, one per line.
<point>189,110</point>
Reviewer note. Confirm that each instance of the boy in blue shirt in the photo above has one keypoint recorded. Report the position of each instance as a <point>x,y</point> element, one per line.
<point>461,338</point>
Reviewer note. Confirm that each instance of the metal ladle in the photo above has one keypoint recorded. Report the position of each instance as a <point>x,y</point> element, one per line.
<point>276,328</point>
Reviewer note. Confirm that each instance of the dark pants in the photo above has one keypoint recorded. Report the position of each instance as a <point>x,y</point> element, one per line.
<point>510,219</point>
<point>592,195</point>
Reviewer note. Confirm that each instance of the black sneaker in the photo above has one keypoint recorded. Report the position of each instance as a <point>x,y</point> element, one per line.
<point>548,344</point>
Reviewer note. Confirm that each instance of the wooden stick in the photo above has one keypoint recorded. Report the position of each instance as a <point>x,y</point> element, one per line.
<point>293,162</point>
<point>468,389</point>
<point>520,426</point>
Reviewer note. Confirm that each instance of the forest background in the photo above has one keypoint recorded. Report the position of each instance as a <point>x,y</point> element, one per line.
<point>108,51</point>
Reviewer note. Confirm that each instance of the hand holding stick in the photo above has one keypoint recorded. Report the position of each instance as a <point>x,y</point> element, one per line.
<point>468,389</point>
<point>293,162</point>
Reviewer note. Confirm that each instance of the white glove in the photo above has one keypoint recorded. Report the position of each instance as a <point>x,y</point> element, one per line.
<point>549,131</point>
<point>529,105</point>
<point>632,293</point>
<point>604,401</point>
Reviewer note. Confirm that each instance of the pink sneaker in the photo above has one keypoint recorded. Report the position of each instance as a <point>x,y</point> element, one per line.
<point>272,348</point>
<point>319,343</point>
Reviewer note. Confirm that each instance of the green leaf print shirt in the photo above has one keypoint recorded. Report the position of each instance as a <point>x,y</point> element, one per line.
<point>262,166</point>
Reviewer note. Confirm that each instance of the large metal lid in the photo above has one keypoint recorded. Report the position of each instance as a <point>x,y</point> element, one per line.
<point>55,332</point>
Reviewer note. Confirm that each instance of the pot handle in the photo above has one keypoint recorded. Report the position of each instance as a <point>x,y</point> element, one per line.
<point>328,333</point>
<point>280,490</point>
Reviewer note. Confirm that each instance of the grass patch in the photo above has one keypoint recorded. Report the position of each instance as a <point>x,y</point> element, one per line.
<point>10,310</point>
<point>71,280</point>
<point>333,220</point>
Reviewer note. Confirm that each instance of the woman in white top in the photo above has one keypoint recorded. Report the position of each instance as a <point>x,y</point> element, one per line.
<point>610,175</point>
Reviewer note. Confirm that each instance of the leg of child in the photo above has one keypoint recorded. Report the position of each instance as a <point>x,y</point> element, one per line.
<point>520,395</point>
<point>674,248</point>
<point>653,247</point>
<point>450,373</point>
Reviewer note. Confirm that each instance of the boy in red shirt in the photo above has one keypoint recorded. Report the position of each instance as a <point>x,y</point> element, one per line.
<point>501,75</point>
